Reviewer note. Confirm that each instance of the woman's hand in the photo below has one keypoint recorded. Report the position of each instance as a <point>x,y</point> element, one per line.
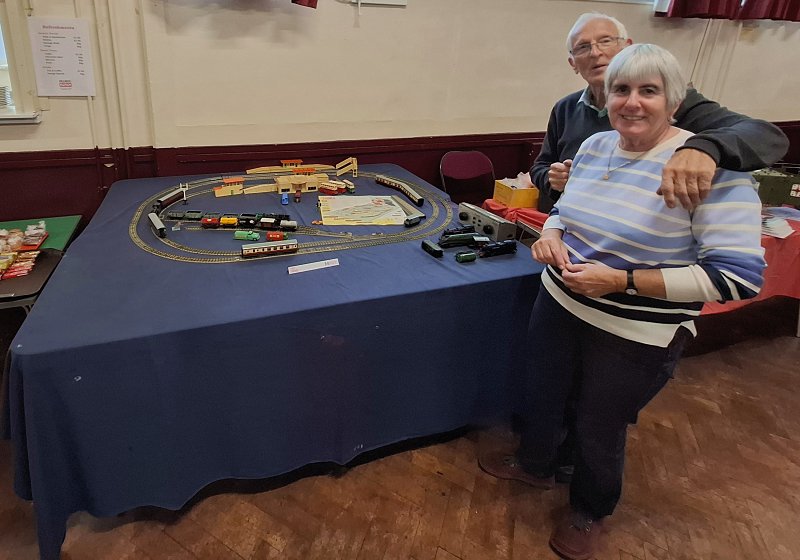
<point>593,280</point>
<point>549,249</point>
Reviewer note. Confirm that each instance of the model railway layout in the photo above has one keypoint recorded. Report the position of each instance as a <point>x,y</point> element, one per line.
<point>180,206</point>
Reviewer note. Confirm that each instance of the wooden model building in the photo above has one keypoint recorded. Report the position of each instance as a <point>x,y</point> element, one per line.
<point>230,186</point>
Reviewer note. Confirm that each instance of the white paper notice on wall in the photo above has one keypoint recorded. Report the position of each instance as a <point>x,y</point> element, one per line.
<point>62,57</point>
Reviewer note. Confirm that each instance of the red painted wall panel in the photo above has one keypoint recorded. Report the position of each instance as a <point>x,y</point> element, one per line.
<point>75,181</point>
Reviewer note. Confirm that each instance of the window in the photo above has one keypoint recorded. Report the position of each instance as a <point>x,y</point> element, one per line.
<point>5,79</point>
<point>17,104</point>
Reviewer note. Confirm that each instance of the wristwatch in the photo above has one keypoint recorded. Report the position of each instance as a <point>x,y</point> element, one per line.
<point>630,289</point>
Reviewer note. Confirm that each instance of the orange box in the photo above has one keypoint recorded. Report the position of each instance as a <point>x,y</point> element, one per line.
<point>516,198</point>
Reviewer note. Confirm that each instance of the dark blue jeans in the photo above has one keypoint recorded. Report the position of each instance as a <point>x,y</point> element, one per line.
<point>613,379</point>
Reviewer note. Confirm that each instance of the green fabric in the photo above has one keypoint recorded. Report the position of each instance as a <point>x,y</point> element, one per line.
<point>60,229</point>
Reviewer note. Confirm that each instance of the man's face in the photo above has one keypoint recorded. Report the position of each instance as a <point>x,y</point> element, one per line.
<point>593,63</point>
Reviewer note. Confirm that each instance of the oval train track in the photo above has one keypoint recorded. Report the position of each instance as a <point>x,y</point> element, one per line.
<point>441,207</point>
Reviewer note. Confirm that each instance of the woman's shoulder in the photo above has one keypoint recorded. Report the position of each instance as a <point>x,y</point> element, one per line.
<point>730,186</point>
<point>604,136</point>
<point>683,134</point>
<point>667,147</point>
<point>600,140</point>
<point>728,177</point>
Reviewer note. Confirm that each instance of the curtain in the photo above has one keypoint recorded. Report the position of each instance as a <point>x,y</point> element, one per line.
<point>702,9</point>
<point>788,10</point>
<point>771,9</point>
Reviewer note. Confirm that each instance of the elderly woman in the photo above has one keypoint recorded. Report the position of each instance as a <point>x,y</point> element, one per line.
<point>626,276</point>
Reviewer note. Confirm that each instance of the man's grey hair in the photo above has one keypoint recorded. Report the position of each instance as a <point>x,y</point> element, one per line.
<point>583,19</point>
<point>642,61</point>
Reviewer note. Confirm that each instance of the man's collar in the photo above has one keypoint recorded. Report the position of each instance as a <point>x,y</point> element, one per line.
<point>586,99</point>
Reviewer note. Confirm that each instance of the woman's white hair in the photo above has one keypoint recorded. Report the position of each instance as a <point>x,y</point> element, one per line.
<point>642,61</point>
<point>583,19</point>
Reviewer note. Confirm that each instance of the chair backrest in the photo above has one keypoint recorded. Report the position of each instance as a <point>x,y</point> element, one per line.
<point>467,176</point>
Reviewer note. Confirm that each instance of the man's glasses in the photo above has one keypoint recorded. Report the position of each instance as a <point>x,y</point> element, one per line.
<point>605,44</point>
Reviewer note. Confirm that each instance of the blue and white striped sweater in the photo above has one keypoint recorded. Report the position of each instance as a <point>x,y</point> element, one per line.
<point>623,223</point>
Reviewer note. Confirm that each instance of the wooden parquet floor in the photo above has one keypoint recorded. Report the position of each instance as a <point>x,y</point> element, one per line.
<point>713,472</point>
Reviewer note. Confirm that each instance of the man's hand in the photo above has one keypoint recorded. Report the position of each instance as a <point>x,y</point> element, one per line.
<point>593,280</point>
<point>549,249</point>
<point>687,178</point>
<point>558,174</point>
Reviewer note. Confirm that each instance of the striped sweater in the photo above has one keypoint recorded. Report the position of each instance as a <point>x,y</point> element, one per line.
<point>623,223</point>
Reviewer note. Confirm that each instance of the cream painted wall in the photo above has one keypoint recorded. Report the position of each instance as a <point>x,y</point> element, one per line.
<point>222,72</point>
<point>276,73</point>
<point>764,76</point>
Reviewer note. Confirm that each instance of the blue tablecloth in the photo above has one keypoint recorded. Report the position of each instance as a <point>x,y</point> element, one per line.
<point>138,380</point>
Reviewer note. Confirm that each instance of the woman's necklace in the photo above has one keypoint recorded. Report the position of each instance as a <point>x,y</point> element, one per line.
<point>609,171</point>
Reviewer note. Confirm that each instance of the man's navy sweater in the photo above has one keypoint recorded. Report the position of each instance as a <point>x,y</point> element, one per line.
<point>734,141</point>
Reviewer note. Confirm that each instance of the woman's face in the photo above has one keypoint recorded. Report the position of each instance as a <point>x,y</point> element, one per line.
<point>637,109</point>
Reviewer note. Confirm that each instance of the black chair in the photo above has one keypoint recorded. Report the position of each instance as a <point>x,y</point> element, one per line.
<point>467,176</point>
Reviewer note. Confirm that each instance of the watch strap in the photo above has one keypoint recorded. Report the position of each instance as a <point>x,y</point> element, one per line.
<point>630,288</point>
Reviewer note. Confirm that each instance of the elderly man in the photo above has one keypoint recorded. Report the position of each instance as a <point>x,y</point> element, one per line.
<point>721,138</point>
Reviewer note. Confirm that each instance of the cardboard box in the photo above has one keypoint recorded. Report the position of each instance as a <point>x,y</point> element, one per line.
<point>516,198</point>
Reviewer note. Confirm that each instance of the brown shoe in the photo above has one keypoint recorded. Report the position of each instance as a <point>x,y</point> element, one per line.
<point>576,537</point>
<point>502,465</point>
